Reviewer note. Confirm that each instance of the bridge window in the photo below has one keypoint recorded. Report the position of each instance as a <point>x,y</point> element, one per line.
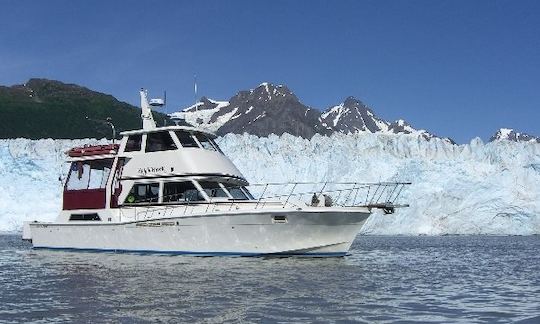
<point>248,194</point>
<point>143,193</point>
<point>213,189</point>
<point>236,192</point>
<point>186,139</point>
<point>159,141</point>
<point>206,143</point>
<point>181,191</point>
<point>133,143</point>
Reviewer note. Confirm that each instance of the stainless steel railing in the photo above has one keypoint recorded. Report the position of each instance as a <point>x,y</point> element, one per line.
<point>382,195</point>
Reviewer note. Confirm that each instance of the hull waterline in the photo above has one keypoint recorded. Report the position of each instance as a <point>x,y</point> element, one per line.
<point>329,233</point>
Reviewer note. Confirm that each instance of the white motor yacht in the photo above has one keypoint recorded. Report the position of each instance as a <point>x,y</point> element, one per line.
<point>172,190</point>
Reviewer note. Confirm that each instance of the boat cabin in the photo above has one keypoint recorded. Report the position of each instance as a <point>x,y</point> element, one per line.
<point>166,165</point>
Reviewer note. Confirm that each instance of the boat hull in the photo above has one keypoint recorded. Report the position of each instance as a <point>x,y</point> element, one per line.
<point>279,232</point>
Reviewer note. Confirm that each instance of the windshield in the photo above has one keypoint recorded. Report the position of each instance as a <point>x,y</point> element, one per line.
<point>238,192</point>
<point>213,189</point>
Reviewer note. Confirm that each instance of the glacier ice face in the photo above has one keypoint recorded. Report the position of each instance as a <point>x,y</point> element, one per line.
<point>29,179</point>
<point>476,188</point>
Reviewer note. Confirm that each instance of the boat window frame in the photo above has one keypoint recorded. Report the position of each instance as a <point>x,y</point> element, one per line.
<point>241,188</point>
<point>190,134</point>
<point>223,186</point>
<point>209,140</point>
<point>125,202</point>
<point>89,162</point>
<point>216,146</point>
<point>186,202</point>
<point>143,147</point>
<point>140,143</point>
<point>159,133</point>
<point>247,193</point>
<point>212,199</point>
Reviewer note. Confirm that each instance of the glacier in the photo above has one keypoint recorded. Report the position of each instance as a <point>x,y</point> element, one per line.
<point>475,188</point>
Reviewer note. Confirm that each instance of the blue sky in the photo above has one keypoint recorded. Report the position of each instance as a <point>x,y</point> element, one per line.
<point>457,68</point>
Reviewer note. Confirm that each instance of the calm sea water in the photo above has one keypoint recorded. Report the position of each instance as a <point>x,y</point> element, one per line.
<point>384,279</point>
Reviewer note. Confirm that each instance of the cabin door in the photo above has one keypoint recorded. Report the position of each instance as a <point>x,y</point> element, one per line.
<point>116,183</point>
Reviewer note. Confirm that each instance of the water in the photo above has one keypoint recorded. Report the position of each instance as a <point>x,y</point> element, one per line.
<point>385,279</point>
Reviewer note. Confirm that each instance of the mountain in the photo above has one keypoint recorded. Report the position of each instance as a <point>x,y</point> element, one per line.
<point>508,134</point>
<point>351,116</point>
<point>43,108</point>
<point>275,109</point>
<point>202,112</point>
<point>267,109</point>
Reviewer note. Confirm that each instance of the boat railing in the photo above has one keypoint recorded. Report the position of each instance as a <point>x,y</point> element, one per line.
<point>298,195</point>
<point>382,195</point>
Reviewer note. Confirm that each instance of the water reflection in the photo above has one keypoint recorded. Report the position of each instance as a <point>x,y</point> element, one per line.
<point>384,279</point>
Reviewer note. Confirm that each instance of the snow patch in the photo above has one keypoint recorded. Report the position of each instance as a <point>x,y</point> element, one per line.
<point>202,117</point>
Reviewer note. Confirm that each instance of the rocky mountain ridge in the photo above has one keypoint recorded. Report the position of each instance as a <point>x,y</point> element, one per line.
<point>509,134</point>
<point>275,109</point>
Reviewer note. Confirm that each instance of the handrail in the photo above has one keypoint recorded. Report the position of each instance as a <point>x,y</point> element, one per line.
<point>382,195</point>
<point>330,183</point>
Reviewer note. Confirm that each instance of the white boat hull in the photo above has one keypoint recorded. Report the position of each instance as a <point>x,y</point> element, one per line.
<point>320,233</point>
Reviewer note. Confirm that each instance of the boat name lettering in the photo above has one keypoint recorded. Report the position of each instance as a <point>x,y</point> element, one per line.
<point>151,170</point>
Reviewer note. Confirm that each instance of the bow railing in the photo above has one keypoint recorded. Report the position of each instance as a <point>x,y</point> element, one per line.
<point>343,194</point>
<point>299,195</point>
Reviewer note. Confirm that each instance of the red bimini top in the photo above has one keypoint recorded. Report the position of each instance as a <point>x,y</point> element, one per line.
<point>93,150</point>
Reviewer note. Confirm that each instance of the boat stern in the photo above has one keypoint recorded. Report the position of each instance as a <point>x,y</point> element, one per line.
<point>27,231</point>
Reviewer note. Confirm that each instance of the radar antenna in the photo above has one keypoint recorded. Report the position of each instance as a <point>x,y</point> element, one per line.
<point>195,91</point>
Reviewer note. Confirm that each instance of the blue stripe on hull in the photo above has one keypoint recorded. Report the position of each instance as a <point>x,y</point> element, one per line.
<point>247,254</point>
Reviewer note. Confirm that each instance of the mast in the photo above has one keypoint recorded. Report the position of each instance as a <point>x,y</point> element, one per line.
<point>146,115</point>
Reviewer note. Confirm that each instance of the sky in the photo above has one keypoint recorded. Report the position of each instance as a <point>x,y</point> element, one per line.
<point>456,68</point>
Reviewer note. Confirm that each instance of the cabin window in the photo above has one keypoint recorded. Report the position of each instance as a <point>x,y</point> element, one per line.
<point>181,191</point>
<point>236,192</point>
<point>206,143</point>
<point>186,139</point>
<point>213,189</point>
<point>143,193</point>
<point>159,141</point>
<point>89,174</point>
<point>84,217</point>
<point>248,194</point>
<point>133,143</point>
<point>215,145</point>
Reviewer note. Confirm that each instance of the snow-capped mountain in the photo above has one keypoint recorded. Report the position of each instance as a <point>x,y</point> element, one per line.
<point>508,134</point>
<point>270,109</point>
<point>275,109</point>
<point>402,127</point>
<point>267,109</point>
<point>206,113</point>
<point>352,116</point>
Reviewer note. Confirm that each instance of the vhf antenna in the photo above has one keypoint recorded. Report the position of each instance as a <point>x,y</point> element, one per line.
<point>195,91</point>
